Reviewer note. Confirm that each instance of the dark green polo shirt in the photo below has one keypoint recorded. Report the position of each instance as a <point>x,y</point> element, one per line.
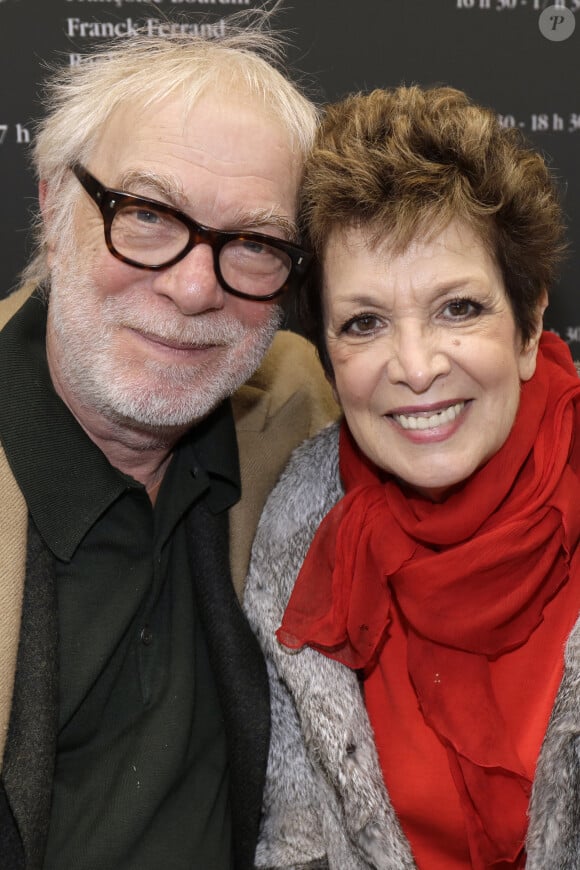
<point>141,776</point>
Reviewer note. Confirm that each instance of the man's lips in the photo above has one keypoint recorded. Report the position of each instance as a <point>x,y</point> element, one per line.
<point>174,344</point>
<point>428,417</point>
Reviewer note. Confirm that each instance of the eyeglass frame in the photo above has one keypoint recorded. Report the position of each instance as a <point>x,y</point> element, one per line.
<point>109,201</point>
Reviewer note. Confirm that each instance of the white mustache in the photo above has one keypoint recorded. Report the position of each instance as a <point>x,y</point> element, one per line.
<point>197,330</point>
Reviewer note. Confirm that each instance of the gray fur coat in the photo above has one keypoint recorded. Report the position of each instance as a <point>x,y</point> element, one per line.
<point>325,804</point>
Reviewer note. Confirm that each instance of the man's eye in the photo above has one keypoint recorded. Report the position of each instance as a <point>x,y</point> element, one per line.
<point>146,216</point>
<point>459,309</point>
<point>253,247</point>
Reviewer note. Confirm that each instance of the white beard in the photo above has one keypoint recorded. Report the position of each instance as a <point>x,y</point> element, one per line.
<point>155,395</point>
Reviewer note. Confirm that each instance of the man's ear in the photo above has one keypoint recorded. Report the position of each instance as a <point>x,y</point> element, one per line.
<point>529,352</point>
<point>42,195</point>
<point>43,200</point>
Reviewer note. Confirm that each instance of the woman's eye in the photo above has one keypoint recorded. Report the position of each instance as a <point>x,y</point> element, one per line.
<point>461,309</point>
<point>361,325</point>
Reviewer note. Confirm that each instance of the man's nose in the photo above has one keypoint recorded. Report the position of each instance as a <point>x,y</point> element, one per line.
<point>192,283</point>
<point>416,357</point>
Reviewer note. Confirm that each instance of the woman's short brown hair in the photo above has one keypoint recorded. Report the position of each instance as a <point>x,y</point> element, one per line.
<point>406,161</point>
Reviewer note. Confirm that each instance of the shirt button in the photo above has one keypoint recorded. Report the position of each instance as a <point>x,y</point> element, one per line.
<point>146,636</point>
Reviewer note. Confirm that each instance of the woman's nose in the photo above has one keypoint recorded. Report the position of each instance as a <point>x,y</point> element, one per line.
<point>417,357</point>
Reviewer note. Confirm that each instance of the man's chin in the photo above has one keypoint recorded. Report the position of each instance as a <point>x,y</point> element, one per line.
<point>159,416</point>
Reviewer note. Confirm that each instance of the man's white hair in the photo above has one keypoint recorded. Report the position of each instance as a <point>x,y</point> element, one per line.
<point>141,71</point>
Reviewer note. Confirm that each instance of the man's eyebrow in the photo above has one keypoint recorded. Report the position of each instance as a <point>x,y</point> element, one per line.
<point>166,188</point>
<point>170,192</point>
<point>261,218</point>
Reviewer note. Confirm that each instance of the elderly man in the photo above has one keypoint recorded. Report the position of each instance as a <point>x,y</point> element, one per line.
<point>134,708</point>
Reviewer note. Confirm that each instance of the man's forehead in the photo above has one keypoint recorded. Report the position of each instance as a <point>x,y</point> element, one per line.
<point>177,116</point>
<point>177,154</point>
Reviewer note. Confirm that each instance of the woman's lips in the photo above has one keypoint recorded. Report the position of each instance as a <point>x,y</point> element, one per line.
<point>433,423</point>
<point>429,418</point>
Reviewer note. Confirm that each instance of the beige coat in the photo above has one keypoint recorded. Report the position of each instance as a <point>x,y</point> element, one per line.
<point>286,401</point>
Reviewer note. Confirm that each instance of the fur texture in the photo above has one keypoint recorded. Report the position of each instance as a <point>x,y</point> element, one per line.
<point>325,804</point>
<point>324,796</point>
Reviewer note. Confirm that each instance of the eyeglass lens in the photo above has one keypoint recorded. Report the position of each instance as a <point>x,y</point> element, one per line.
<point>152,238</point>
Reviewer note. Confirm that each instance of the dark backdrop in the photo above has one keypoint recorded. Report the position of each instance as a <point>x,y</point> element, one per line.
<point>493,49</point>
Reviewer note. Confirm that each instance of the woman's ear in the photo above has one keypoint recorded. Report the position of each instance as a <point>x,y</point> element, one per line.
<point>529,351</point>
<point>334,393</point>
<point>329,375</point>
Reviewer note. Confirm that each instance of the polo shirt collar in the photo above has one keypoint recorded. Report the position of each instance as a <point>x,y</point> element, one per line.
<point>65,478</point>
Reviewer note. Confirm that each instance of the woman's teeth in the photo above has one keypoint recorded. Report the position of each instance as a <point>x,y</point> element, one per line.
<point>416,421</point>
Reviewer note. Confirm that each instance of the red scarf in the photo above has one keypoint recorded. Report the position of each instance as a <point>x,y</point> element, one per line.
<point>471,576</point>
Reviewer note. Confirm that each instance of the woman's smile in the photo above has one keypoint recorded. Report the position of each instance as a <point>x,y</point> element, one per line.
<point>428,418</point>
<point>426,342</point>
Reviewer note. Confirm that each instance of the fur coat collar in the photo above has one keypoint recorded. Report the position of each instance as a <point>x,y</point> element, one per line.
<point>325,804</point>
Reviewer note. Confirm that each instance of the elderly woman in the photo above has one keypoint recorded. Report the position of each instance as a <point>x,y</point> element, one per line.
<point>415,581</point>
